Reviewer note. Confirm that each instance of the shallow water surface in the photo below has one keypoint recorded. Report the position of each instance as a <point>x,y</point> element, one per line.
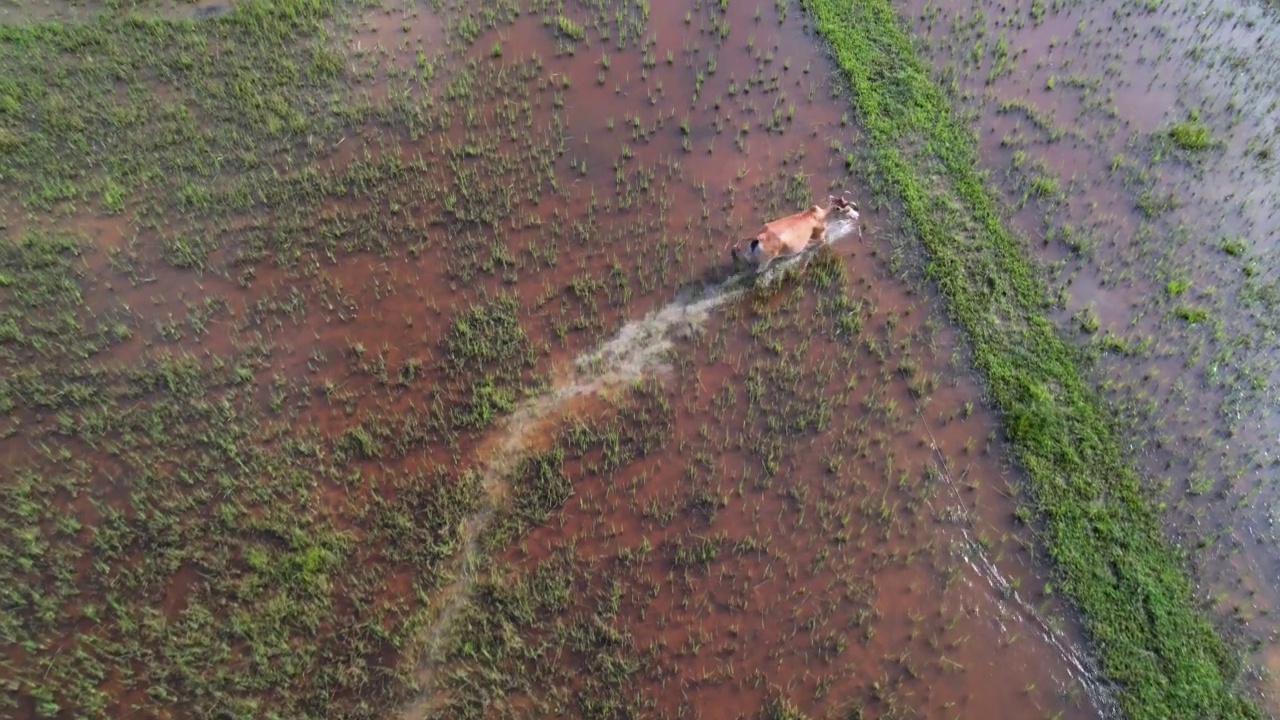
<point>871,563</point>
<point>453,406</point>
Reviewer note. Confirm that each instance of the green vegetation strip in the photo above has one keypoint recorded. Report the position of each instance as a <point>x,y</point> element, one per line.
<point>1100,529</point>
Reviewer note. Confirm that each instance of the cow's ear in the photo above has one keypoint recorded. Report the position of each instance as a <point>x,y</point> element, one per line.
<point>755,243</point>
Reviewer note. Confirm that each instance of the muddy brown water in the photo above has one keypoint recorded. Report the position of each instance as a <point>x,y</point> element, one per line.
<point>995,629</point>
<point>1198,404</point>
<point>935,595</point>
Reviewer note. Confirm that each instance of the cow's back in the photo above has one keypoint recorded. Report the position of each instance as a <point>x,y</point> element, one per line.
<point>794,231</point>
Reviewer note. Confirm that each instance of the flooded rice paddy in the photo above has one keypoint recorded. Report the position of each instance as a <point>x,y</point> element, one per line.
<point>1135,142</point>
<point>388,361</point>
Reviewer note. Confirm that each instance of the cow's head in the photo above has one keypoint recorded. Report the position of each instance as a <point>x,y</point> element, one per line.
<point>843,205</point>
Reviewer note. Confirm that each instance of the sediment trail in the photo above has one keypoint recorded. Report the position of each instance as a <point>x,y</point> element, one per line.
<point>639,349</point>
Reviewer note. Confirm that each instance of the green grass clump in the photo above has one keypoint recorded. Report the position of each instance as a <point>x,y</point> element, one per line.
<point>570,29</point>
<point>41,312</point>
<point>780,708</point>
<point>1191,315</point>
<point>486,333</point>
<point>1191,134</point>
<point>1102,532</point>
<point>1235,247</point>
<point>541,486</point>
<point>489,353</point>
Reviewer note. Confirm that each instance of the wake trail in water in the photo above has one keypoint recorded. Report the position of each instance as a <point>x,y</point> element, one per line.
<point>1010,603</point>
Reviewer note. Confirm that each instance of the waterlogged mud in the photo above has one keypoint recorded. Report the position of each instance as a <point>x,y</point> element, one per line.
<point>1136,144</point>
<point>854,568</point>
<point>623,551</point>
<point>429,388</point>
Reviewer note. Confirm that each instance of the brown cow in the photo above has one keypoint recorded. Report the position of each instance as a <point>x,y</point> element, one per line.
<point>791,235</point>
